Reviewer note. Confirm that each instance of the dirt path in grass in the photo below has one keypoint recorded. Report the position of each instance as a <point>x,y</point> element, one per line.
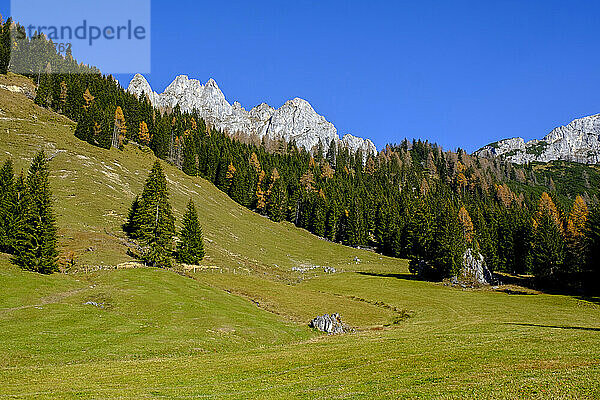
<point>51,299</point>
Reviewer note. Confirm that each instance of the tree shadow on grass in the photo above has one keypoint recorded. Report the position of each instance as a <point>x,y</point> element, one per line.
<point>591,299</point>
<point>576,286</point>
<point>579,328</point>
<point>408,277</point>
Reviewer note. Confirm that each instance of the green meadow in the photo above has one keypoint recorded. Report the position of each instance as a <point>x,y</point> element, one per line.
<point>237,325</point>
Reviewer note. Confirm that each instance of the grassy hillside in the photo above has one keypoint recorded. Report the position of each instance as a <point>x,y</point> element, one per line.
<point>236,328</point>
<point>94,187</point>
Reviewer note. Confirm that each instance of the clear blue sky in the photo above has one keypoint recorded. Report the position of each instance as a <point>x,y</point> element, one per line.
<point>460,73</point>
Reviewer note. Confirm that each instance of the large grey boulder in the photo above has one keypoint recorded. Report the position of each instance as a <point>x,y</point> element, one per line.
<point>474,270</point>
<point>331,324</point>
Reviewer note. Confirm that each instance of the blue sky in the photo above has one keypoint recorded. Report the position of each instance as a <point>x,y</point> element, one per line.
<point>460,73</point>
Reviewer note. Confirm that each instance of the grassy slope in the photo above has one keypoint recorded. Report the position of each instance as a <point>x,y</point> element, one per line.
<point>94,187</point>
<point>165,335</point>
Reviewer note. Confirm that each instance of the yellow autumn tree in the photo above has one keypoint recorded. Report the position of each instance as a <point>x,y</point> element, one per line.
<point>504,195</point>
<point>120,121</point>
<point>577,219</point>
<point>326,171</point>
<point>274,175</point>
<point>144,134</point>
<point>120,129</point>
<point>254,163</point>
<point>467,225</point>
<point>230,172</point>
<point>370,167</point>
<point>63,94</point>
<point>461,181</point>
<point>307,181</point>
<point>87,96</point>
<point>260,194</point>
<point>97,129</point>
<point>546,207</point>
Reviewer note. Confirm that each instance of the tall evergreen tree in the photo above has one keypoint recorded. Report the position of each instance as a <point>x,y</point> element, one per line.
<point>448,244</point>
<point>276,202</point>
<point>190,249</point>
<point>35,244</point>
<point>131,227</point>
<point>548,248</point>
<point>154,219</point>
<point>548,240</point>
<point>592,253</point>
<point>8,197</point>
<point>5,46</point>
<point>319,215</point>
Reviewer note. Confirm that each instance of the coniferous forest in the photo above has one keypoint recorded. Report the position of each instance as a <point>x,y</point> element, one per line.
<point>412,200</point>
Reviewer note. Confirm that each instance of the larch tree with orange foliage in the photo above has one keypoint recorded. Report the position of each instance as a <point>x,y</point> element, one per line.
<point>370,167</point>
<point>120,128</point>
<point>260,193</point>
<point>461,181</point>
<point>575,234</point>
<point>467,225</point>
<point>256,181</point>
<point>230,171</point>
<point>144,134</point>
<point>88,98</point>
<point>326,171</point>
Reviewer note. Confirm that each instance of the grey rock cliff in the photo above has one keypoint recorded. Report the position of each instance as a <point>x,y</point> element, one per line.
<point>295,120</point>
<point>578,141</point>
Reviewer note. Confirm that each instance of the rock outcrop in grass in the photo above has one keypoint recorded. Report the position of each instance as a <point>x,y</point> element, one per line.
<point>331,324</point>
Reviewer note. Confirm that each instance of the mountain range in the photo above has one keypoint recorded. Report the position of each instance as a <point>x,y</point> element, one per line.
<point>579,141</point>
<point>296,120</point>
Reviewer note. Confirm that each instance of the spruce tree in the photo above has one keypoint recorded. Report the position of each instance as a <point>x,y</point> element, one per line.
<point>548,248</point>
<point>190,249</point>
<point>238,190</point>
<point>355,229</point>
<point>276,202</point>
<point>154,220</point>
<point>448,244</point>
<point>548,240</point>
<point>131,227</point>
<point>319,215</point>
<point>5,46</point>
<point>332,221</point>
<point>35,244</point>
<point>592,247</point>
<point>7,205</point>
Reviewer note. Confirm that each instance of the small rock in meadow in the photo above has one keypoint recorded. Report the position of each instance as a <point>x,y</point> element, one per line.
<point>331,324</point>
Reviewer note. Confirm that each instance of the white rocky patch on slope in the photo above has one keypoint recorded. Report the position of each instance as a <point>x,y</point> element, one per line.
<point>295,121</point>
<point>578,141</point>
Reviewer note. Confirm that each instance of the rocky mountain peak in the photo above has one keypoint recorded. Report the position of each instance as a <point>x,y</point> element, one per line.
<point>295,120</point>
<point>579,141</point>
<point>211,82</point>
<point>139,85</point>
